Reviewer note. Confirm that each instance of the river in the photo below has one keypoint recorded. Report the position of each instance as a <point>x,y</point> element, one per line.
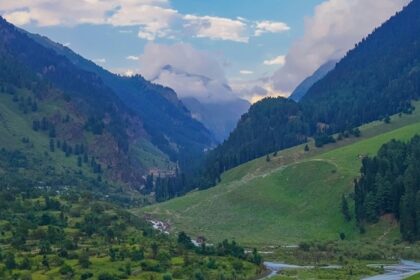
<point>392,272</point>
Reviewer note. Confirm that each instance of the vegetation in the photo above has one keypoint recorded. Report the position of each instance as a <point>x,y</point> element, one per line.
<point>390,185</point>
<point>52,231</point>
<point>295,196</point>
<point>414,277</point>
<point>350,271</point>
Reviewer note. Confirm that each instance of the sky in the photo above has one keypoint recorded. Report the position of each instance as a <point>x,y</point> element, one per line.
<point>213,50</point>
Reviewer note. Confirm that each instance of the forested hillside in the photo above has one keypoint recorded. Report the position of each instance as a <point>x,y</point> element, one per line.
<point>68,112</point>
<point>378,78</point>
<point>390,184</point>
<point>165,118</point>
<point>59,108</point>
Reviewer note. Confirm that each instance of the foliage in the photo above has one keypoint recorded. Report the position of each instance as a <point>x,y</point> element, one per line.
<point>390,185</point>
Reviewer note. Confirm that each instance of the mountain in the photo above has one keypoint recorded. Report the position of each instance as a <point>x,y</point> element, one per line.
<point>220,118</point>
<point>165,118</point>
<point>64,111</point>
<point>304,87</point>
<point>55,104</point>
<point>378,78</point>
<point>211,102</point>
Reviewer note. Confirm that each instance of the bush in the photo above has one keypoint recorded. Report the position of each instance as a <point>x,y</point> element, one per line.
<point>167,277</point>
<point>107,276</point>
<point>86,275</point>
<point>66,270</point>
<point>323,139</point>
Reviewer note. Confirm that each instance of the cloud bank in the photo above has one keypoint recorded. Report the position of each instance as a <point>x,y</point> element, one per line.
<point>190,72</point>
<point>335,27</point>
<point>154,18</point>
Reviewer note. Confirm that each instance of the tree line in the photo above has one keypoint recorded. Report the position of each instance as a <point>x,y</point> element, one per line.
<point>390,184</point>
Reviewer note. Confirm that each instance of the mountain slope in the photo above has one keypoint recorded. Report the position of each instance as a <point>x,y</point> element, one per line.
<point>59,108</point>
<point>210,100</point>
<point>165,118</point>
<point>306,84</point>
<point>378,78</point>
<point>293,197</point>
<point>220,118</point>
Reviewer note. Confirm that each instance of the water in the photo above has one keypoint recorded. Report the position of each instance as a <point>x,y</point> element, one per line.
<point>392,272</point>
<point>398,271</point>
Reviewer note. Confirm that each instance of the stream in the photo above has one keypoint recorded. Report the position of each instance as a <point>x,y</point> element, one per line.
<point>392,272</point>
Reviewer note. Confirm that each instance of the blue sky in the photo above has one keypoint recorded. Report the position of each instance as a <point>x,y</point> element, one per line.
<point>258,48</point>
<point>106,42</point>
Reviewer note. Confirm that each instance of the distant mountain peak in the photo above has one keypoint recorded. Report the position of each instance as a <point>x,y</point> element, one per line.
<point>306,84</point>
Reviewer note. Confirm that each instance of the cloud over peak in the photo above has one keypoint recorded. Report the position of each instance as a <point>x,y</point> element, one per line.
<point>190,72</point>
<point>335,27</point>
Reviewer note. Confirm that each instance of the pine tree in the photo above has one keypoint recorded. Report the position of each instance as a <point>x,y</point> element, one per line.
<point>345,209</point>
<point>52,145</point>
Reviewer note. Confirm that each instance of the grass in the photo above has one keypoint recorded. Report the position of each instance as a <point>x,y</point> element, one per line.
<point>294,197</point>
<point>414,277</point>
<point>14,125</point>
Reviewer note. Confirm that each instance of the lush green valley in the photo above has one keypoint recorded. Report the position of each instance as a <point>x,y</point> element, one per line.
<point>291,196</point>
<point>105,176</point>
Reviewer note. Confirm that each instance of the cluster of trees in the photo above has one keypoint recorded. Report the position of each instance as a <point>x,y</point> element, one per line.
<point>166,187</point>
<point>224,248</point>
<point>25,105</point>
<point>44,125</point>
<point>390,184</point>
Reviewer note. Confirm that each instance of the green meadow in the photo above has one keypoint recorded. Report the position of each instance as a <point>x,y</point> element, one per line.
<point>293,197</point>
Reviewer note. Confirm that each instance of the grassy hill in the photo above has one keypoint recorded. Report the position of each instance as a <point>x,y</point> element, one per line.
<point>293,197</point>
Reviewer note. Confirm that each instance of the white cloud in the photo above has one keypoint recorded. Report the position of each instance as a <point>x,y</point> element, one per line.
<point>335,27</point>
<point>246,72</point>
<point>19,17</point>
<point>217,28</point>
<point>279,60</point>
<point>153,18</point>
<point>154,22</point>
<point>129,73</point>
<point>267,26</point>
<point>132,57</point>
<point>256,89</point>
<point>190,72</point>
<point>100,60</point>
